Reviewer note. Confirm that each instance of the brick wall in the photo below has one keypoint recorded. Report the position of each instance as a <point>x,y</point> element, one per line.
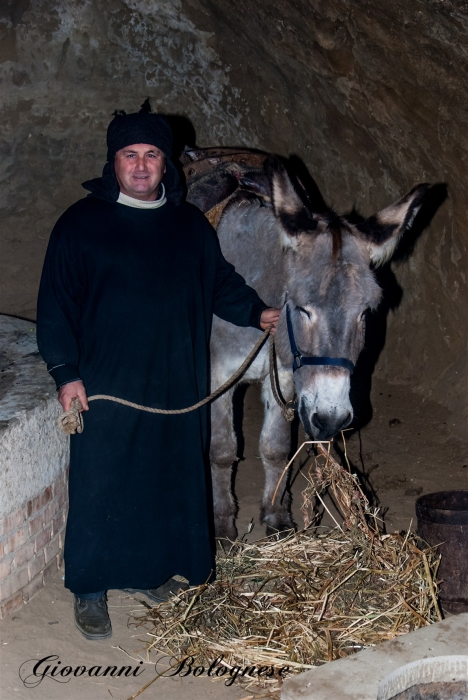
<point>31,545</point>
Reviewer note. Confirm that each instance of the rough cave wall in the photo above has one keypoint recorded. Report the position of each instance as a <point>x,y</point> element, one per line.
<point>372,96</point>
<point>66,65</point>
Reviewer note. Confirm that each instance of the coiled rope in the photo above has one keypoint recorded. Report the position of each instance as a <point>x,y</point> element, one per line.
<point>71,421</point>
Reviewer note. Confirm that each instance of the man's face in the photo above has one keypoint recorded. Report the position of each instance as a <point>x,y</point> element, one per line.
<point>139,169</point>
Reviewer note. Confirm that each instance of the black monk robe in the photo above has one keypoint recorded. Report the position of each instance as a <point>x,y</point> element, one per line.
<point>125,304</point>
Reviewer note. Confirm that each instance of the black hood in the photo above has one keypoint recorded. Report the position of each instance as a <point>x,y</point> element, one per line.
<point>139,127</point>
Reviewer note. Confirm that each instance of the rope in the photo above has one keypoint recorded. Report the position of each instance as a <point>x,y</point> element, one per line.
<point>287,407</point>
<point>71,421</point>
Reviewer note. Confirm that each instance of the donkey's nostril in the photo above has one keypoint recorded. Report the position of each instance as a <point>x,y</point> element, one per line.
<point>317,422</point>
<point>327,425</point>
<point>346,421</point>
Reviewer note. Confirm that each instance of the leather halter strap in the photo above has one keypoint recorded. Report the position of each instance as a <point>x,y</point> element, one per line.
<point>301,360</point>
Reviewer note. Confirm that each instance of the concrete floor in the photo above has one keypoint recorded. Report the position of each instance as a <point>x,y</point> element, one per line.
<point>397,460</point>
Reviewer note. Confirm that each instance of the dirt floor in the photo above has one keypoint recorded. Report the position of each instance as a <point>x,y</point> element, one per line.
<point>406,450</point>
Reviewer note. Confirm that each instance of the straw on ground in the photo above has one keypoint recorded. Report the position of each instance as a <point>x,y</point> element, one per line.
<point>309,598</point>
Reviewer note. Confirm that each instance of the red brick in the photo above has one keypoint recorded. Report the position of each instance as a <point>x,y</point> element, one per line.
<point>39,501</point>
<point>33,587</point>
<point>52,549</point>
<point>14,583</point>
<point>1,550</point>
<point>63,497</point>
<point>16,540</point>
<point>23,555</point>
<point>34,506</point>
<point>59,483</point>
<point>50,570</point>
<point>62,538</point>
<point>36,565</point>
<point>12,521</point>
<point>51,510</point>
<point>5,568</point>
<point>46,496</point>
<point>8,607</point>
<point>58,522</point>
<point>36,523</point>
<point>57,486</point>
<point>43,537</point>
<point>60,559</point>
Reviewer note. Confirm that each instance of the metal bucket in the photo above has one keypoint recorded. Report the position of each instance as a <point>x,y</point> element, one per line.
<point>443,519</point>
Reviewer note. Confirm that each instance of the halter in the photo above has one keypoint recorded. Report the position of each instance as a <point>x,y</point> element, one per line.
<point>299,359</point>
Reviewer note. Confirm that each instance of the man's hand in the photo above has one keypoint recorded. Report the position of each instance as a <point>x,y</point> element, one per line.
<point>270,317</point>
<point>72,390</point>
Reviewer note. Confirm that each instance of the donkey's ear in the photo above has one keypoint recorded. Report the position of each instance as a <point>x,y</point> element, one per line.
<point>289,208</point>
<point>383,231</point>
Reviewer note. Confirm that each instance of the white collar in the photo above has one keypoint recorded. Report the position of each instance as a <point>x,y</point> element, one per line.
<point>139,204</point>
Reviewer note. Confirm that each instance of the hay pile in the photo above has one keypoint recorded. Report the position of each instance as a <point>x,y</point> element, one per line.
<point>311,597</point>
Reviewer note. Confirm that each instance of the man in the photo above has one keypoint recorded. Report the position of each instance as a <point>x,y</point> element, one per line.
<point>131,279</point>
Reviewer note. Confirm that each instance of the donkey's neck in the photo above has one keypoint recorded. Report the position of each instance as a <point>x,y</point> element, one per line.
<point>250,239</point>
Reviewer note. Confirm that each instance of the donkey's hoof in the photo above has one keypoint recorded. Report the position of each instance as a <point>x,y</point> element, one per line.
<point>226,531</point>
<point>279,525</point>
<point>280,534</point>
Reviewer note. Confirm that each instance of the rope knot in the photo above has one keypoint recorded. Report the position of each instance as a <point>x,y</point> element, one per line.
<point>288,410</point>
<point>71,421</point>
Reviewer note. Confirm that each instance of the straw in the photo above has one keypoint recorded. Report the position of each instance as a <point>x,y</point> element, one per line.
<point>304,600</point>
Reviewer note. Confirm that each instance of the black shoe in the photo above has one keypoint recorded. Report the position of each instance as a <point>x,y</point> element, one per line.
<point>162,593</point>
<point>170,588</point>
<point>92,618</point>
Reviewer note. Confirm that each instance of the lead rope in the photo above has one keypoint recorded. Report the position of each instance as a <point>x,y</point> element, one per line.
<point>287,407</point>
<point>71,421</point>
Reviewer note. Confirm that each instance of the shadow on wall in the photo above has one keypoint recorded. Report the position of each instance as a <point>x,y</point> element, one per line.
<point>376,323</point>
<point>183,131</point>
<point>184,138</point>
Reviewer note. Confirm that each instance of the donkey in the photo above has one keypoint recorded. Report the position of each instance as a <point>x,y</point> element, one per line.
<point>316,266</point>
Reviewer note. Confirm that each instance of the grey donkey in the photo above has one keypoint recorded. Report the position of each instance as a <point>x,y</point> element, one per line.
<point>317,267</point>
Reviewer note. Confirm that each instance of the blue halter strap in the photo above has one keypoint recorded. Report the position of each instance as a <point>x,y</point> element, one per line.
<point>299,359</point>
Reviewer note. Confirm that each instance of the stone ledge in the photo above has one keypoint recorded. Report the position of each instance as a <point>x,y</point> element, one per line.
<point>357,677</point>
<point>34,456</point>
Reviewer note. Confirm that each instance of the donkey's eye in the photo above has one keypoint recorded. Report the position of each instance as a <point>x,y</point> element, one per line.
<point>363,315</point>
<point>303,311</point>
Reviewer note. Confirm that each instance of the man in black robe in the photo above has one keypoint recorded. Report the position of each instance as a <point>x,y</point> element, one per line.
<point>131,279</point>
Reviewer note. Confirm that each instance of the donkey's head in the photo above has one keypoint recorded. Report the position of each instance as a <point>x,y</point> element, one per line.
<point>329,288</point>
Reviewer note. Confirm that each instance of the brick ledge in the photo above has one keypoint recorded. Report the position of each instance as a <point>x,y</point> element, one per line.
<point>31,545</point>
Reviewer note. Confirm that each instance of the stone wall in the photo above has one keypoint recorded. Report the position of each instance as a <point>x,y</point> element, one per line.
<point>33,468</point>
<point>372,96</point>
<point>65,66</point>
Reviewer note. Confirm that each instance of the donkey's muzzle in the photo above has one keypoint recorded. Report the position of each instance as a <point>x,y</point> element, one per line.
<point>324,426</point>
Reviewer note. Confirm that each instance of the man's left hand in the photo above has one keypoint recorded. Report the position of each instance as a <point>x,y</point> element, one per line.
<point>270,317</point>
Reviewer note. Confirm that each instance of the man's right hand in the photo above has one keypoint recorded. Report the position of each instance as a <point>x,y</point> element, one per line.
<point>72,390</point>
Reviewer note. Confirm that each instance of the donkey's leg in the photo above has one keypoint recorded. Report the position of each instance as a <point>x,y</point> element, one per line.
<point>275,444</point>
<point>223,453</point>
